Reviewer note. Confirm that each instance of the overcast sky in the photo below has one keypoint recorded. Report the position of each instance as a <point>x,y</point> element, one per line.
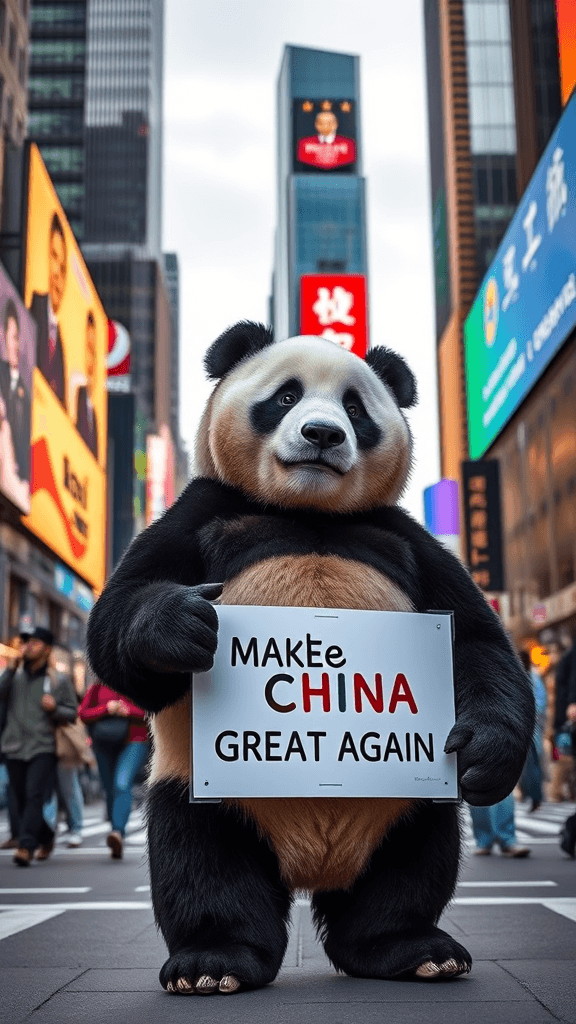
<point>221,64</point>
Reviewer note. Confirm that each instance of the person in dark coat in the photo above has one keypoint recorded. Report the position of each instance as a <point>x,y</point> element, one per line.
<point>565,721</point>
<point>44,309</point>
<point>37,702</point>
<point>86,422</point>
<point>14,391</point>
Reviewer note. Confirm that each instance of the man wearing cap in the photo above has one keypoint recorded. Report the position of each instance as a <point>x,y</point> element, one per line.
<point>38,701</point>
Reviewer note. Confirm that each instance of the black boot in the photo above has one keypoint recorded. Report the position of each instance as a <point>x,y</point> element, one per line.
<point>568,837</point>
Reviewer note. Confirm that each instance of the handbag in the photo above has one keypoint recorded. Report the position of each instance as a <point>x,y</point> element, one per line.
<point>72,744</point>
<point>110,732</point>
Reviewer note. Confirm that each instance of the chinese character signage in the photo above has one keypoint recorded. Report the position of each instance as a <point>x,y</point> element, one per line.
<point>333,306</point>
<point>325,702</point>
<point>526,305</point>
<point>69,406</point>
<point>324,135</point>
<point>17,360</point>
<point>483,523</point>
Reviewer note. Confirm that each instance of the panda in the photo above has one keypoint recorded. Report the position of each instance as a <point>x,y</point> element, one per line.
<point>303,452</point>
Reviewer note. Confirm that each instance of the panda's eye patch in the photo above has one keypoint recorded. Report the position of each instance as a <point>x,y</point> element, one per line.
<point>266,415</point>
<point>367,432</point>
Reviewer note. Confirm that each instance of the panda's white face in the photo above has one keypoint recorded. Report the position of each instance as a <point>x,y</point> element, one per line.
<point>304,423</point>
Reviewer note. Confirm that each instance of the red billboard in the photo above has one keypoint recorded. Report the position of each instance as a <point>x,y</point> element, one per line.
<point>333,306</point>
<point>566,22</point>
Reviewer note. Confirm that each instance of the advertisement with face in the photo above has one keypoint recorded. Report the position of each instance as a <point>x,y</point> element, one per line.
<point>17,358</point>
<point>324,135</point>
<point>68,452</point>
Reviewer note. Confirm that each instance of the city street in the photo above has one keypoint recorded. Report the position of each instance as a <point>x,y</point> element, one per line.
<point>78,944</point>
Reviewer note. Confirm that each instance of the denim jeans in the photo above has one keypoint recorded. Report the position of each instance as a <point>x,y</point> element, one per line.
<point>117,774</point>
<point>494,824</point>
<point>70,792</point>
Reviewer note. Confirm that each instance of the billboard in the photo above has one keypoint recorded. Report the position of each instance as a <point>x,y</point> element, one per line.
<point>159,474</point>
<point>442,513</point>
<point>333,306</point>
<point>566,25</point>
<point>17,359</point>
<point>482,518</point>
<point>69,407</point>
<point>525,307</point>
<point>324,135</point>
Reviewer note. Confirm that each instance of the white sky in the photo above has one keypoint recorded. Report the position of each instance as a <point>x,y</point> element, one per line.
<point>221,63</point>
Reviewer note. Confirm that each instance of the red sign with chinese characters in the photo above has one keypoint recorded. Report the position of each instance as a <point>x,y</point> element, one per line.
<point>333,306</point>
<point>319,152</point>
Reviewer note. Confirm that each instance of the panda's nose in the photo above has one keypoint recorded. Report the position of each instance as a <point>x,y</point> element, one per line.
<point>323,435</point>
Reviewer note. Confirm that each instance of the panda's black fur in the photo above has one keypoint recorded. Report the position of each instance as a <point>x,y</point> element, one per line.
<point>223,875</point>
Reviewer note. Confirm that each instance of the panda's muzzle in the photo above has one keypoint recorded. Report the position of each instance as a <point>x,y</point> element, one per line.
<point>323,435</point>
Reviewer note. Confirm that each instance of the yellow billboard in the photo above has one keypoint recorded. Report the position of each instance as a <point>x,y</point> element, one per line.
<point>69,407</point>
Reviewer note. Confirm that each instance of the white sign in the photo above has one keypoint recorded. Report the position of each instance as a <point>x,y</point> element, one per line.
<point>325,702</point>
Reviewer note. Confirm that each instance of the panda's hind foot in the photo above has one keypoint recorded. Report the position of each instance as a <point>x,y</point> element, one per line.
<point>210,972</point>
<point>430,971</point>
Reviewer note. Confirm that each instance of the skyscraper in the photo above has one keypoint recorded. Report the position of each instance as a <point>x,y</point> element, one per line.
<point>320,263</point>
<point>123,119</point>
<point>56,98</point>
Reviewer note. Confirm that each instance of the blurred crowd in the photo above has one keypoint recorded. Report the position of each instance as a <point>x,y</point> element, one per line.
<point>64,742</point>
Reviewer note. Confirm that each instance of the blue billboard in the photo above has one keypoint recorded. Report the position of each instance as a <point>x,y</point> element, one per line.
<point>526,305</point>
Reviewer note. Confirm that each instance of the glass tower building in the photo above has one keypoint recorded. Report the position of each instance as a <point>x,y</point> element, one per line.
<point>321,214</point>
<point>123,128</point>
<point>56,88</point>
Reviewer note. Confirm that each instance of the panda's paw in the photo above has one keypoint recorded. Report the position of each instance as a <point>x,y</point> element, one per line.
<point>490,761</point>
<point>209,972</point>
<point>203,986</point>
<point>431,971</point>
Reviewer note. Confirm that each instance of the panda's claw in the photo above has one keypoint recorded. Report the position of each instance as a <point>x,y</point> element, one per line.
<point>184,987</point>
<point>206,985</point>
<point>448,969</point>
<point>229,984</point>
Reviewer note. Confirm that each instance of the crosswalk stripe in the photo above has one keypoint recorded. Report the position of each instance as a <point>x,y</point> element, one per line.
<point>17,920</point>
<point>71,890</point>
<point>502,885</point>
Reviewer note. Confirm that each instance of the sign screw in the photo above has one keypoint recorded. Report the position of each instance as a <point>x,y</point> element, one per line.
<point>438,626</point>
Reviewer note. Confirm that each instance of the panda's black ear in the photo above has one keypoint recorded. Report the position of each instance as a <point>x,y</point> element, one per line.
<point>394,372</point>
<point>237,342</point>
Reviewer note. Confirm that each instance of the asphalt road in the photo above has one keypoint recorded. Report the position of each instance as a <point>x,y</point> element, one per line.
<point>78,945</point>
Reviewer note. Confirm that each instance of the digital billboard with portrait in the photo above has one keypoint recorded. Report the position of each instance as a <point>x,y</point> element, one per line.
<point>17,359</point>
<point>324,135</point>
<point>69,408</point>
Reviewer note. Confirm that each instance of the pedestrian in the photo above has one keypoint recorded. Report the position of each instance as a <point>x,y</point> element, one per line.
<point>120,744</point>
<point>68,791</point>
<point>38,700</point>
<point>15,644</point>
<point>494,826</point>
<point>531,778</point>
<point>565,726</point>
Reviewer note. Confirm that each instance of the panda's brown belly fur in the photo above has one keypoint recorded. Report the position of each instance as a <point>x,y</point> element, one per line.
<point>321,842</point>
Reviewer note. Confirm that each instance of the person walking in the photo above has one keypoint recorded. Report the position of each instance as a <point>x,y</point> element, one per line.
<point>120,744</point>
<point>565,726</point>
<point>68,791</point>
<point>531,778</point>
<point>37,702</point>
<point>494,826</point>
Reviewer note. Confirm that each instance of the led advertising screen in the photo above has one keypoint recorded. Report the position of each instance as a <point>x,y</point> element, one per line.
<point>333,306</point>
<point>17,359</point>
<point>69,406</point>
<point>324,135</point>
<point>525,307</point>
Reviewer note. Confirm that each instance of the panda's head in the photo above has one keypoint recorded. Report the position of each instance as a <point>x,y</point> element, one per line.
<point>303,423</point>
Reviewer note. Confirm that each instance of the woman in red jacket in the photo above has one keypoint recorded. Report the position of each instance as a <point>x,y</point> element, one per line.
<point>120,744</point>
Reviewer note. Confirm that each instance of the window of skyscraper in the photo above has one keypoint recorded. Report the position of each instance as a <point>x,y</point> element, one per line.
<point>58,51</point>
<point>491,94</point>
<point>55,122</point>
<point>56,87</point>
<point>64,159</point>
<point>328,224</point>
<point>57,17</point>
<point>71,195</point>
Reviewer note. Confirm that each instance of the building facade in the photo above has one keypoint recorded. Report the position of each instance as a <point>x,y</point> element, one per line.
<point>14,63</point>
<point>56,88</point>
<point>494,100</point>
<point>321,206</point>
<point>123,128</point>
